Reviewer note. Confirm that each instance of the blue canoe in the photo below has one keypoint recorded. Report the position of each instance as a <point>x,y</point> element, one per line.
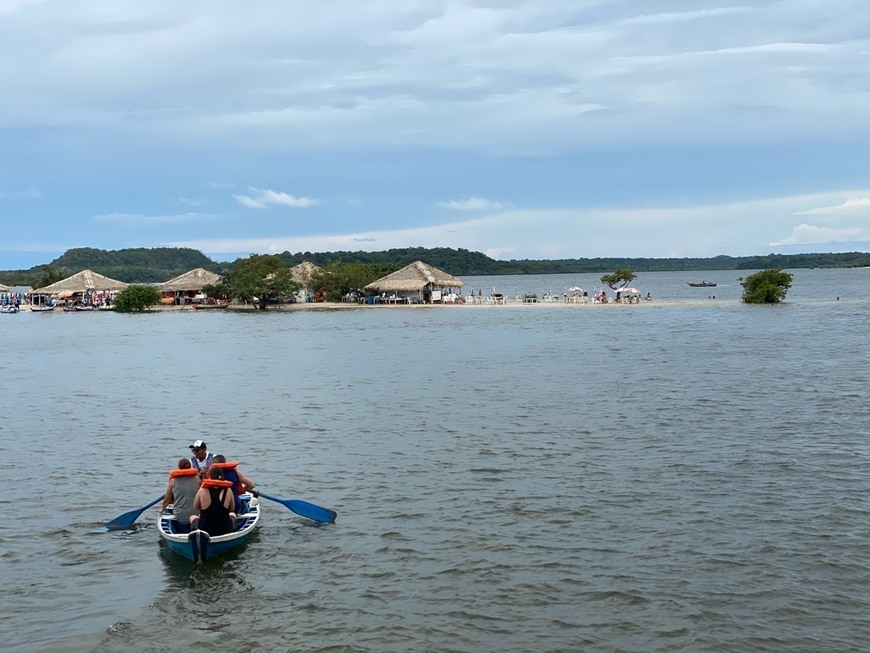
<point>198,545</point>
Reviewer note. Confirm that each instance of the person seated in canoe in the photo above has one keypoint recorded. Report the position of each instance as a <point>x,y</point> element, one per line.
<point>214,505</point>
<point>201,459</point>
<point>241,483</point>
<point>180,492</point>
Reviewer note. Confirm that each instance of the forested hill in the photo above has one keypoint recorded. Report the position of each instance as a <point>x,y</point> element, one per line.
<point>155,265</point>
<point>463,262</point>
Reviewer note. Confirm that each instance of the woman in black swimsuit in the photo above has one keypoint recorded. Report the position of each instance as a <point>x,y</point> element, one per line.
<point>215,503</point>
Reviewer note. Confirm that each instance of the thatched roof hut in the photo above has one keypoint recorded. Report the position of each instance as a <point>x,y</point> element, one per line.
<point>82,282</point>
<point>418,277</point>
<point>189,281</point>
<point>4,288</point>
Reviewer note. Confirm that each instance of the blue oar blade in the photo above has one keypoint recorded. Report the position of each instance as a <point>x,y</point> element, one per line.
<point>311,511</point>
<point>126,520</point>
<point>305,509</point>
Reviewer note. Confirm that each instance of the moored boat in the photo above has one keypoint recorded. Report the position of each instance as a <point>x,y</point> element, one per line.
<point>9,308</point>
<point>702,284</point>
<point>41,309</point>
<point>198,545</point>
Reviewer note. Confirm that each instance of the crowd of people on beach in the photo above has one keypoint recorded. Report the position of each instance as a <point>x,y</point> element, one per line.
<point>204,491</point>
<point>577,296</point>
<point>11,299</point>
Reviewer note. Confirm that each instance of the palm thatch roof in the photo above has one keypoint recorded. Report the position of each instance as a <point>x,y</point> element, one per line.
<point>194,280</point>
<point>84,281</point>
<point>415,277</point>
<point>4,288</point>
<point>302,273</point>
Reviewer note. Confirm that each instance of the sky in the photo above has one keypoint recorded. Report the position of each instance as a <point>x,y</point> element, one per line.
<point>524,130</point>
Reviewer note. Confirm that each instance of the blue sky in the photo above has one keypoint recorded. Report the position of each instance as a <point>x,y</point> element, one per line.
<point>539,129</point>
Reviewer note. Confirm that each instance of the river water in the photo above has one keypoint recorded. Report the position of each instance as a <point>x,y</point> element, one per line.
<point>688,474</point>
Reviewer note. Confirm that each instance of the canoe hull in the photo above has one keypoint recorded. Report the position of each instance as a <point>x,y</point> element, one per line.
<point>198,545</point>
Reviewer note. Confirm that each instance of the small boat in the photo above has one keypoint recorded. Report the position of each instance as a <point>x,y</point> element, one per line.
<point>198,545</point>
<point>9,308</point>
<point>42,308</point>
<point>702,284</point>
<point>85,307</point>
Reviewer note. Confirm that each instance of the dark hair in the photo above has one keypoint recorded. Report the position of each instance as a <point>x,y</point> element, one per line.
<point>220,458</point>
<point>183,463</point>
<point>215,473</point>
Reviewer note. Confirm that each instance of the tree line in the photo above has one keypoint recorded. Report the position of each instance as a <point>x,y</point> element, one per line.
<point>159,264</point>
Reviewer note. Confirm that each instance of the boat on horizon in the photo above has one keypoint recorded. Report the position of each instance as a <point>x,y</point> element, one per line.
<point>701,284</point>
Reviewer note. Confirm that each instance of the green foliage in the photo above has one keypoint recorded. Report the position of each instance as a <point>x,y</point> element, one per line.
<point>136,298</point>
<point>259,276</point>
<point>160,264</point>
<point>621,277</point>
<point>135,265</point>
<point>338,279</point>
<point>766,287</point>
<point>47,276</point>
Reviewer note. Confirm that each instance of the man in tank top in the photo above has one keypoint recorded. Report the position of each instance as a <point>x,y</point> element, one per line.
<point>201,459</point>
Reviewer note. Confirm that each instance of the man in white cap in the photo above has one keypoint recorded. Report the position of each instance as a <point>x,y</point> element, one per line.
<point>201,459</point>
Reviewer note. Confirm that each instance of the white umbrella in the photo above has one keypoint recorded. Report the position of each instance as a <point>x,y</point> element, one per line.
<point>628,291</point>
<point>575,289</point>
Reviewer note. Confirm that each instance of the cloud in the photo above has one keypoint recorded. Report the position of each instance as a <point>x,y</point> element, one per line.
<point>808,234</point>
<point>677,230</point>
<point>471,204</point>
<point>262,198</point>
<point>30,193</point>
<point>852,205</point>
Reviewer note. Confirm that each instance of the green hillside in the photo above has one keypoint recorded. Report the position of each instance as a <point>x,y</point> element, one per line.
<point>155,265</point>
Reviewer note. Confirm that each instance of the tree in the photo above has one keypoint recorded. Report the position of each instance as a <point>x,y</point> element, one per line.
<point>621,277</point>
<point>260,278</point>
<point>766,287</point>
<point>47,276</point>
<point>136,299</point>
<point>339,279</point>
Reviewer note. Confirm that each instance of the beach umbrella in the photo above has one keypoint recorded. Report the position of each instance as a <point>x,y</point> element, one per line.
<point>628,291</point>
<point>575,289</point>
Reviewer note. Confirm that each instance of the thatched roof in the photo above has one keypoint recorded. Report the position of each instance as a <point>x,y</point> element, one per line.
<point>4,288</point>
<point>302,273</point>
<point>82,282</point>
<point>194,280</point>
<point>416,276</point>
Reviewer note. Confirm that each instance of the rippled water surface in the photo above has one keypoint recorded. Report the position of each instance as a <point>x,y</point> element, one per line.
<point>686,475</point>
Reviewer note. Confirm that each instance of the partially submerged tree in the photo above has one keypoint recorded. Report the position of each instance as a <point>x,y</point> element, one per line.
<point>766,287</point>
<point>621,277</point>
<point>261,279</point>
<point>136,298</point>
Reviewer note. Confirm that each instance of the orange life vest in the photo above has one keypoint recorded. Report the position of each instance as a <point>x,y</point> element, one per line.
<point>214,482</point>
<point>227,465</point>
<point>180,473</point>
<point>231,465</point>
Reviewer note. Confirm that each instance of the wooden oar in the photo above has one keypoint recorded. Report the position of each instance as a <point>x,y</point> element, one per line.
<point>126,520</point>
<point>304,509</point>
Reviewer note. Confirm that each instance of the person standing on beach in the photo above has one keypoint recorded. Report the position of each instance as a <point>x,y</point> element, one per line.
<point>201,459</point>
